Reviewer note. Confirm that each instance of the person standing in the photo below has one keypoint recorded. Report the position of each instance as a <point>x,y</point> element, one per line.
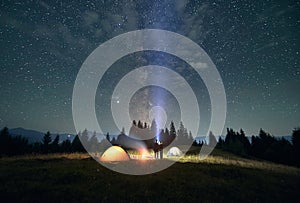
<point>156,149</point>
<point>161,150</point>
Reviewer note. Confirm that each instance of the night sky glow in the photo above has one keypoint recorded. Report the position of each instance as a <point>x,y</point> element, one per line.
<point>254,45</point>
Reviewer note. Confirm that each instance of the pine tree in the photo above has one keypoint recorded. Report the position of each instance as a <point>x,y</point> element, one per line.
<point>167,132</point>
<point>296,138</point>
<point>212,139</point>
<point>76,145</point>
<point>140,125</point>
<point>54,144</point>
<point>113,141</point>
<point>172,130</point>
<point>107,137</point>
<point>5,141</point>
<point>191,138</point>
<point>46,142</point>
<point>195,143</point>
<point>182,135</point>
<point>220,143</point>
<point>20,145</point>
<point>296,145</point>
<point>84,138</point>
<point>153,129</point>
<point>66,145</point>
<point>245,141</point>
<point>94,144</point>
<point>134,122</point>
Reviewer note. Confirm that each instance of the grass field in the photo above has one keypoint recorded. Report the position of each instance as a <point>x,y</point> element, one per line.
<point>78,178</point>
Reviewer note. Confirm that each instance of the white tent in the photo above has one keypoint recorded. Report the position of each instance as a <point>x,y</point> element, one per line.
<point>114,153</point>
<point>174,151</point>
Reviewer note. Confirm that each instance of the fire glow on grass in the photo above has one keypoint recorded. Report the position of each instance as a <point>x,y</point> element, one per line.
<point>141,154</point>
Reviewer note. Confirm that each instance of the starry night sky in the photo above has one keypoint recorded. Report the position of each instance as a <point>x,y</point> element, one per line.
<point>254,45</point>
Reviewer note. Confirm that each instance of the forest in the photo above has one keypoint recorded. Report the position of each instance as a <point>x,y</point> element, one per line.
<point>262,146</point>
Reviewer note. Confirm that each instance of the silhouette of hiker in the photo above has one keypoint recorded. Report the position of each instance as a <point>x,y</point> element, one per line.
<point>160,150</point>
<point>155,149</point>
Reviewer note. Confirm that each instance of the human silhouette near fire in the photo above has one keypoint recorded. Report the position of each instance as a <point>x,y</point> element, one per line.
<point>158,149</point>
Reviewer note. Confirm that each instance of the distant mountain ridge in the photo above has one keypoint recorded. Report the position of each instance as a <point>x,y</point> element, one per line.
<point>37,136</point>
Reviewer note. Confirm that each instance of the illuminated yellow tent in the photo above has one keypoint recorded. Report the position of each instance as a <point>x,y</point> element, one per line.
<point>114,153</point>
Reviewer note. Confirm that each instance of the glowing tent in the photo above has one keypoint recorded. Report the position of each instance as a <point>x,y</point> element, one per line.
<point>114,153</point>
<point>174,151</point>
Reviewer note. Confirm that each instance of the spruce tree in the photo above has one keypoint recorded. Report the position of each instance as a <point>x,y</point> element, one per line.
<point>212,139</point>
<point>84,138</point>
<point>5,141</point>
<point>296,145</point>
<point>107,137</point>
<point>153,129</point>
<point>54,144</point>
<point>46,142</point>
<point>76,144</point>
<point>172,130</point>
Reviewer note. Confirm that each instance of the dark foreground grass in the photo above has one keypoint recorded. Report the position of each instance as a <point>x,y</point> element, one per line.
<point>60,179</point>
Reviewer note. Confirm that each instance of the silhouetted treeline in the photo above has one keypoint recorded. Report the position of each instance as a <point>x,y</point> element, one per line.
<point>13,145</point>
<point>149,134</point>
<point>263,146</point>
<point>17,145</point>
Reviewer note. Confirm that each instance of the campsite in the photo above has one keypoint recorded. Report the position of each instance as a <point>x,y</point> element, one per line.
<point>223,177</point>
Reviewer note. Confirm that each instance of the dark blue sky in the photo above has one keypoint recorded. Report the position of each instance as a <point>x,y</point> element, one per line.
<point>254,45</point>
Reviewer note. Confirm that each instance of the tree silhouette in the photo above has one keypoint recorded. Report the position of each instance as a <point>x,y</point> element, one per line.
<point>20,145</point>
<point>107,137</point>
<point>191,136</point>
<point>55,144</point>
<point>186,135</point>
<point>153,127</point>
<point>46,143</point>
<point>76,145</point>
<point>183,137</point>
<point>220,143</point>
<point>134,122</point>
<point>66,145</point>
<point>140,125</point>
<point>113,141</point>
<point>180,133</point>
<point>123,131</point>
<point>296,145</point>
<point>195,143</point>
<point>172,130</point>
<point>236,142</point>
<point>84,138</point>
<point>212,141</point>
<point>94,144</point>
<point>263,146</point>
<point>5,142</point>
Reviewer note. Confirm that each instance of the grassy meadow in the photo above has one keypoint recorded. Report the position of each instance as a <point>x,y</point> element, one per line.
<point>222,177</point>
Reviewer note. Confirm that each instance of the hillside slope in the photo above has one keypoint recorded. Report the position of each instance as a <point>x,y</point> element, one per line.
<point>78,178</point>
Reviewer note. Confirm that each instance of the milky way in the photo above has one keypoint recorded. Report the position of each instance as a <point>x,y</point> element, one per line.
<point>254,45</point>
